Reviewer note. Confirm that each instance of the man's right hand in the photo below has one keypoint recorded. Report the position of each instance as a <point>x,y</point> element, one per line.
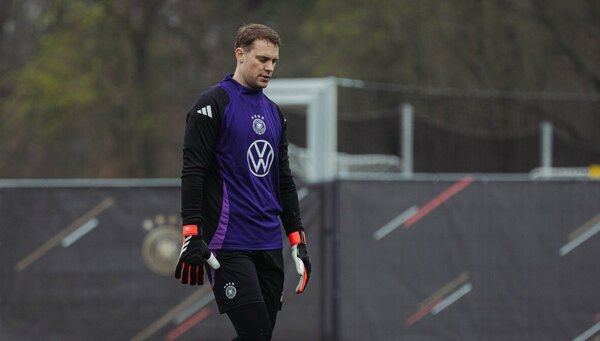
<point>301,260</point>
<point>194,252</point>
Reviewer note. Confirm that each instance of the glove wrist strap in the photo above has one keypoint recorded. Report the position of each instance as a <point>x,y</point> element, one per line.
<point>297,237</point>
<point>190,230</point>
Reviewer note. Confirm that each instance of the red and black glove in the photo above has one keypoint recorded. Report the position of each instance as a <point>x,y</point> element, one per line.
<point>300,257</point>
<point>194,252</point>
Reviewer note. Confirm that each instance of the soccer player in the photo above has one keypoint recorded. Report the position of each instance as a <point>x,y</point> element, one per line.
<point>237,189</point>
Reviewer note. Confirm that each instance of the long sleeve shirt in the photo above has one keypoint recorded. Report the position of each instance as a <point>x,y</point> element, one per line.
<point>236,181</point>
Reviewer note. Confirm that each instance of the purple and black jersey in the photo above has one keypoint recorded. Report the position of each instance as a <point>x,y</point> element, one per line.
<point>236,181</point>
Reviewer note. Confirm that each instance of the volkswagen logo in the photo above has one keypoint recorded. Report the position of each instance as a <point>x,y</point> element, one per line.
<point>260,157</point>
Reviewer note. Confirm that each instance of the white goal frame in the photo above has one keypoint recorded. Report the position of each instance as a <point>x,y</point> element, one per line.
<point>319,95</point>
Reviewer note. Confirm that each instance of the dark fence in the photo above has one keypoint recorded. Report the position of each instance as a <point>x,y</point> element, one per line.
<point>469,260</point>
<point>463,259</point>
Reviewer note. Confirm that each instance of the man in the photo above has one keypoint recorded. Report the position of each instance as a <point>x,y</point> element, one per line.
<point>236,185</point>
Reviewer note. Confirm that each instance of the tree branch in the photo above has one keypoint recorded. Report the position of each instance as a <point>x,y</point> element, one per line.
<point>564,45</point>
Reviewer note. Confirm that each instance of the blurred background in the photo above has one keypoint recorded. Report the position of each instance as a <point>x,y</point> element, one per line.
<point>490,93</point>
<point>100,89</point>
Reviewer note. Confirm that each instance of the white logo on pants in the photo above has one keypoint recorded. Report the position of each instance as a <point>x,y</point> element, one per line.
<point>260,157</point>
<point>230,290</point>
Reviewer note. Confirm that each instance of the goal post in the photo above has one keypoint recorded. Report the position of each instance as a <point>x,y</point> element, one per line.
<point>319,95</point>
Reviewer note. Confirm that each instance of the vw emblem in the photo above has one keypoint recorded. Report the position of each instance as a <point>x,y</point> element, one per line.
<point>260,157</point>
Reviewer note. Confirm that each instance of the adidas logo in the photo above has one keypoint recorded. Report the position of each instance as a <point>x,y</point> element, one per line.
<point>206,111</point>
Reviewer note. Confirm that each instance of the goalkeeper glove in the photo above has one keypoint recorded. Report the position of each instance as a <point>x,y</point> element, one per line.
<point>300,257</point>
<point>194,252</point>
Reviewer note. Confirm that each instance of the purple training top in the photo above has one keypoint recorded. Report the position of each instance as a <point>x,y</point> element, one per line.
<point>236,182</point>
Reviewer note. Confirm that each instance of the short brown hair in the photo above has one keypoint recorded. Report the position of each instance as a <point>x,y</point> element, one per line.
<point>247,34</point>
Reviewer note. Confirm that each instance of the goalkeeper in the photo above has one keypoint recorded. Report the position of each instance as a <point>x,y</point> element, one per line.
<point>236,185</point>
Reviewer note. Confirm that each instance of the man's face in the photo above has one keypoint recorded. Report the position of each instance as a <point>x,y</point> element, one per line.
<point>256,65</point>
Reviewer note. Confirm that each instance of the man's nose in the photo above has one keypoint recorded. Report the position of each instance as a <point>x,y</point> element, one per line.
<point>269,66</point>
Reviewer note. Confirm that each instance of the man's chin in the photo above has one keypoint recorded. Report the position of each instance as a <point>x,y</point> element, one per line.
<point>263,82</point>
<point>262,85</point>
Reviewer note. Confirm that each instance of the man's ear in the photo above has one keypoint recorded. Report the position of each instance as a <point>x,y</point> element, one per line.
<point>240,54</point>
